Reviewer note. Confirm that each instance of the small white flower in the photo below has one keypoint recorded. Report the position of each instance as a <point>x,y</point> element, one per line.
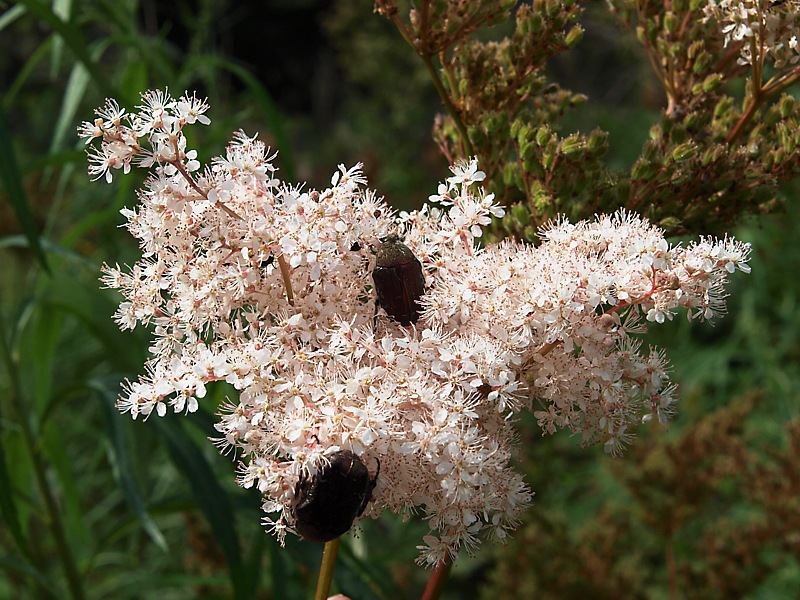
<point>773,26</point>
<point>465,174</point>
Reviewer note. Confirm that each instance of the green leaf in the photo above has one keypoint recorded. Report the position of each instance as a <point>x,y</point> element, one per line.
<point>11,178</point>
<point>62,9</point>
<point>13,563</point>
<point>11,15</point>
<point>27,69</point>
<point>64,474</point>
<point>285,574</point>
<point>358,578</point>
<point>120,456</point>
<point>8,507</point>
<point>93,308</point>
<point>73,38</point>
<point>271,112</point>
<point>211,498</point>
<point>76,87</point>
<point>39,338</point>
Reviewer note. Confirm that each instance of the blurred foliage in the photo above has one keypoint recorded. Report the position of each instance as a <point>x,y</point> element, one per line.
<point>95,505</point>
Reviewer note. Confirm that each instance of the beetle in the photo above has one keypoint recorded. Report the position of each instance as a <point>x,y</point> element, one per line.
<point>327,503</point>
<point>399,282</point>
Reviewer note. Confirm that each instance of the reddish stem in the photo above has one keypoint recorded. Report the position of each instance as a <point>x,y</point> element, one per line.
<point>178,164</point>
<point>437,579</point>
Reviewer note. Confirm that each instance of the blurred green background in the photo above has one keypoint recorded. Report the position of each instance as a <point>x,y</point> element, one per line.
<point>95,505</point>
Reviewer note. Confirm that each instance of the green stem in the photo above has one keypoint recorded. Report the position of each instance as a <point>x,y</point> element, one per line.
<point>424,53</point>
<point>451,108</point>
<point>326,569</point>
<point>40,469</point>
<point>438,578</point>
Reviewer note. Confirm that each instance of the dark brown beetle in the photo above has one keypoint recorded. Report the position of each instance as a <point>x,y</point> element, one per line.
<point>399,282</point>
<point>327,503</point>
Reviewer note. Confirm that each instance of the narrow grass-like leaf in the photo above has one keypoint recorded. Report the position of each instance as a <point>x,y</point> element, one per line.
<point>11,15</point>
<point>211,498</point>
<point>13,563</point>
<point>119,449</point>
<point>11,178</point>
<point>286,580</point>
<point>55,160</point>
<point>358,578</point>
<point>135,78</point>
<point>27,69</point>
<point>76,88</point>
<point>253,567</point>
<point>8,507</point>
<point>62,9</point>
<point>19,241</point>
<point>73,94</point>
<point>94,309</point>
<point>64,473</point>
<point>74,40</point>
<point>271,112</point>
<point>16,466</point>
<point>40,339</point>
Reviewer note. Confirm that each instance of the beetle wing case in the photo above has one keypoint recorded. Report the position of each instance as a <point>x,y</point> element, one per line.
<point>328,503</point>
<point>399,282</point>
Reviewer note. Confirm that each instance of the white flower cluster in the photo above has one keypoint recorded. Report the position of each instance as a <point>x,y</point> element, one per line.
<point>269,287</point>
<point>761,27</point>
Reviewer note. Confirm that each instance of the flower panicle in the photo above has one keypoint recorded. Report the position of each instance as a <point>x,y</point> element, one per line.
<point>268,287</point>
<point>153,135</point>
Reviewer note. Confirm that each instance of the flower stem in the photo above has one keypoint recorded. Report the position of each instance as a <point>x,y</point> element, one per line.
<point>426,54</point>
<point>287,280</point>
<point>326,569</point>
<point>438,577</point>
<point>178,164</point>
<point>448,103</point>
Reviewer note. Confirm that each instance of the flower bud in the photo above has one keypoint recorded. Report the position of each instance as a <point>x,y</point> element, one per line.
<point>572,145</point>
<point>574,36</point>
<point>684,151</point>
<point>598,141</point>
<point>712,82</point>
<point>786,106</point>
<point>671,22</point>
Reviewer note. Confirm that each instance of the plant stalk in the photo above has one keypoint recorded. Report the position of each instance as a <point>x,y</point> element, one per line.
<point>326,569</point>
<point>427,58</point>
<point>286,275</point>
<point>437,580</point>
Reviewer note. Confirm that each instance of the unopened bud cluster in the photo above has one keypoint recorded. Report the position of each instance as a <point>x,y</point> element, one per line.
<point>268,286</point>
